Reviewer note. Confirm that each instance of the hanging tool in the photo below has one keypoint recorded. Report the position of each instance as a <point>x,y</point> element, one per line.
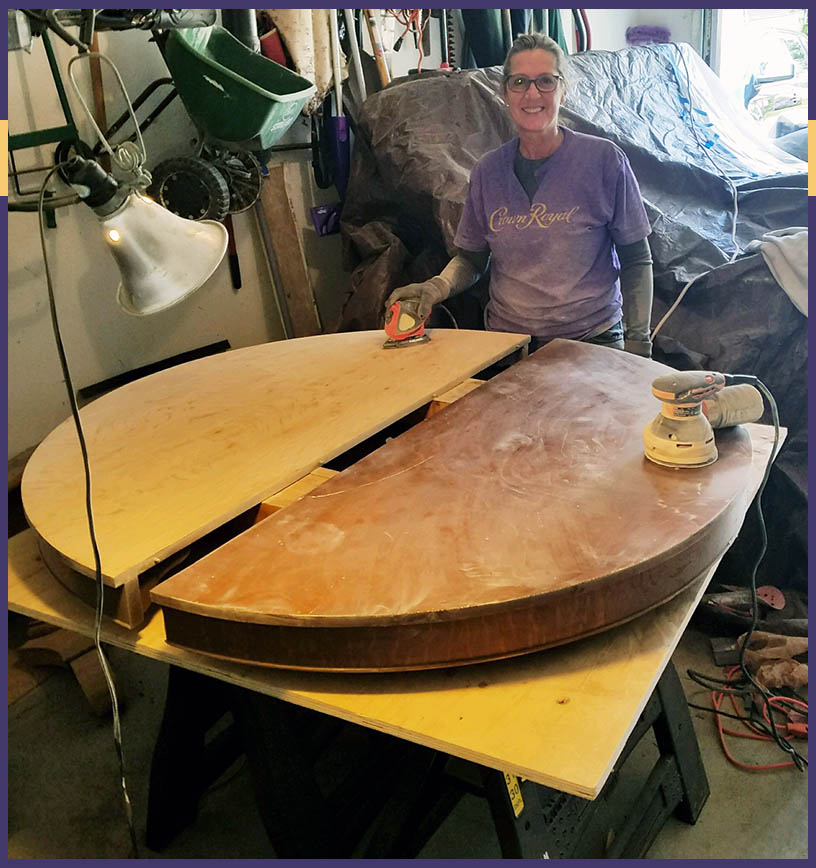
<point>339,122</point>
<point>355,53</point>
<point>377,46</point>
<point>507,28</point>
<point>443,39</point>
<point>587,31</point>
<point>693,403</point>
<point>404,326</point>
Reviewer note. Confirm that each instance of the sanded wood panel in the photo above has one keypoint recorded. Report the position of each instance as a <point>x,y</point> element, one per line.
<point>523,516</point>
<point>180,452</point>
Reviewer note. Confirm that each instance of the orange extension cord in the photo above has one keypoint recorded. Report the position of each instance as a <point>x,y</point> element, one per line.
<point>797,729</point>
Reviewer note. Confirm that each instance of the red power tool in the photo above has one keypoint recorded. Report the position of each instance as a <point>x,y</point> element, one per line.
<point>403,326</point>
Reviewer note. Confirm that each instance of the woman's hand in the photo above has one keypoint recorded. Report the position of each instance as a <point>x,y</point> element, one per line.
<point>458,275</point>
<point>423,296</point>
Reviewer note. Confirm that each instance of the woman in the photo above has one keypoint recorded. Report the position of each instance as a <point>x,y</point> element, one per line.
<point>558,217</point>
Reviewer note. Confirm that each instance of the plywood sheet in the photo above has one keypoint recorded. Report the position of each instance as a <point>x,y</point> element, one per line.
<point>178,453</point>
<point>523,516</point>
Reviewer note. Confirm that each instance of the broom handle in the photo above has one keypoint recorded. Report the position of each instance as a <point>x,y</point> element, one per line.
<point>377,47</point>
<point>335,56</point>
<point>355,53</point>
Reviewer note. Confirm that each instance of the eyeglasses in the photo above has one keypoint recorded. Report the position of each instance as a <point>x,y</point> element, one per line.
<point>521,83</point>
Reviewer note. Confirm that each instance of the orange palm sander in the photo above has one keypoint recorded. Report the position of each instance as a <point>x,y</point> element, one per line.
<point>404,326</point>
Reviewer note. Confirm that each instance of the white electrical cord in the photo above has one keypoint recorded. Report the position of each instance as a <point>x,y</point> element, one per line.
<point>129,157</point>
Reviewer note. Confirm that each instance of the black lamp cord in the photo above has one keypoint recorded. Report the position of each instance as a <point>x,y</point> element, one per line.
<point>799,761</point>
<point>100,585</point>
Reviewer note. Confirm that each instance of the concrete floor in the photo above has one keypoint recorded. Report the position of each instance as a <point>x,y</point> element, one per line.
<point>64,798</point>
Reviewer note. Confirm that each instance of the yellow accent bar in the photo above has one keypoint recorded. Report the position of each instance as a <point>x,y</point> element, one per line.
<point>811,156</point>
<point>4,146</point>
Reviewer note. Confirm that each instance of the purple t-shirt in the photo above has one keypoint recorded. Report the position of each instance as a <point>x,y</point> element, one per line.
<point>553,270</point>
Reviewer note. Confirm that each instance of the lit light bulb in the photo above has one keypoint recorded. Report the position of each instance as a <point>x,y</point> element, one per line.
<point>114,235</point>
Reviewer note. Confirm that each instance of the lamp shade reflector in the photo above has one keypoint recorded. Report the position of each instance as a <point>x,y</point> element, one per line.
<point>162,257</point>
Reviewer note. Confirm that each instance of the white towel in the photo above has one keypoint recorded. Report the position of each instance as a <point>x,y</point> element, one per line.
<point>786,253</point>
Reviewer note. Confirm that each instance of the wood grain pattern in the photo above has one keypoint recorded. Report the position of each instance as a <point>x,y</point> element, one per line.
<point>454,394</point>
<point>522,517</point>
<point>559,718</point>
<point>295,491</point>
<point>180,452</point>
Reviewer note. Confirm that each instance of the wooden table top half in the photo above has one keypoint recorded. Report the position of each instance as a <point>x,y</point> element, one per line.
<point>176,454</point>
<point>560,717</point>
<point>522,516</point>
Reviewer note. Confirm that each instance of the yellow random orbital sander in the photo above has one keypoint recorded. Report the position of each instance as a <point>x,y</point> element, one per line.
<point>693,403</point>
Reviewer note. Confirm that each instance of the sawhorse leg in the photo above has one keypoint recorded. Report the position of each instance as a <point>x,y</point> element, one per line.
<point>184,763</point>
<point>310,817</point>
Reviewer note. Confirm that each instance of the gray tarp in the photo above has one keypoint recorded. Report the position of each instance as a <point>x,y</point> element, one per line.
<point>417,141</point>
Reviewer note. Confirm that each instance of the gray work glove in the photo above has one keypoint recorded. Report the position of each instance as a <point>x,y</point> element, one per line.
<point>422,295</point>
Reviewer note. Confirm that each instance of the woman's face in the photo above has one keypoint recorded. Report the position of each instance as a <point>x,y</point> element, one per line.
<point>532,111</point>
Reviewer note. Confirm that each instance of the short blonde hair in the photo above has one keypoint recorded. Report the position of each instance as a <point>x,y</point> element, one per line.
<point>533,42</point>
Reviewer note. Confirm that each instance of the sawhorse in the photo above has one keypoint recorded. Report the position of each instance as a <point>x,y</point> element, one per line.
<point>396,793</point>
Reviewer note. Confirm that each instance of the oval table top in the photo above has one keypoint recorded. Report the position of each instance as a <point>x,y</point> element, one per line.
<point>523,515</point>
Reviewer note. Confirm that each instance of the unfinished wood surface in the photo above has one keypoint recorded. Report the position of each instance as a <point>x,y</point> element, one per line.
<point>295,491</point>
<point>559,718</point>
<point>91,679</point>
<point>288,248</point>
<point>180,452</point>
<point>16,465</point>
<point>454,394</point>
<point>57,648</point>
<point>522,517</point>
<point>22,676</point>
